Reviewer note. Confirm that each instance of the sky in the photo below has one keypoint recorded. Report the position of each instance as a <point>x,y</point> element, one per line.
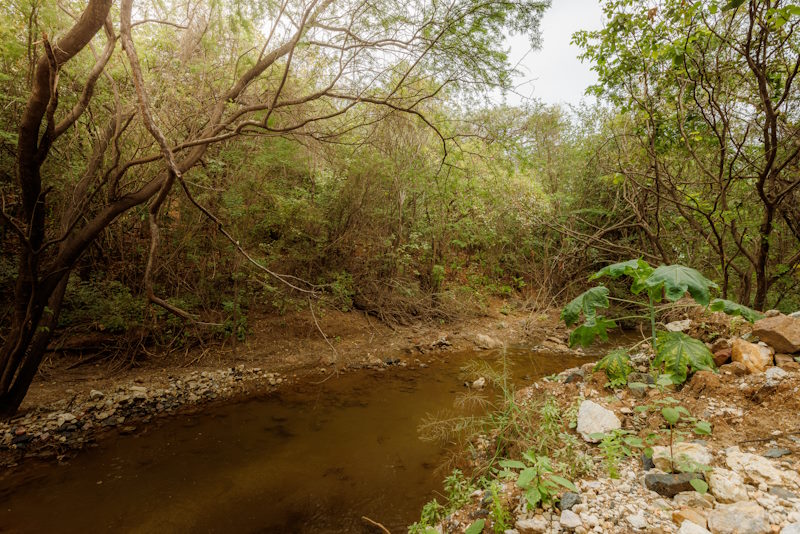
<point>554,74</point>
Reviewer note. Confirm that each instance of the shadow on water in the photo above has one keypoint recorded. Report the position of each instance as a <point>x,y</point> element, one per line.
<point>313,458</point>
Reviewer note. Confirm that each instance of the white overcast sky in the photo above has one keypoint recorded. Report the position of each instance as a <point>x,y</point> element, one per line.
<point>554,74</point>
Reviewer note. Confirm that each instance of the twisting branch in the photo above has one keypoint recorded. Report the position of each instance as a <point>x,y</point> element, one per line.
<point>172,167</point>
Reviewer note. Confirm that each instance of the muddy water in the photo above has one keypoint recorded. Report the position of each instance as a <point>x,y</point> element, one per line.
<point>313,459</point>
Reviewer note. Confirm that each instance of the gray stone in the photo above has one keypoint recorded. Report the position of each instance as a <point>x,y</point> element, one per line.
<point>777,452</point>
<point>782,493</point>
<point>594,419</point>
<point>643,378</point>
<point>739,518</point>
<point>568,500</point>
<point>670,485</point>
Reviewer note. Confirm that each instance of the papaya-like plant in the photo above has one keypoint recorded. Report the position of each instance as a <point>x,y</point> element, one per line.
<point>677,354</point>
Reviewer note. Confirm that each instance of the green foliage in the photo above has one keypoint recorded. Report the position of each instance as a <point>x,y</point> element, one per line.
<point>676,280</point>
<point>536,477</point>
<point>677,354</point>
<point>502,519</point>
<point>593,328</point>
<point>106,306</point>
<point>476,527</point>
<point>615,446</point>
<point>617,366</point>
<point>586,303</point>
<point>733,308</point>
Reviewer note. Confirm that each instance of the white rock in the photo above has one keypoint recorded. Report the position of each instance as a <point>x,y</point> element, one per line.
<point>570,520</point>
<point>739,518</point>
<point>687,527</point>
<point>679,326</point>
<point>96,395</point>
<point>757,469</point>
<point>774,376</point>
<point>531,526</point>
<point>637,520</point>
<point>794,528</point>
<point>594,419</point>
<point>726,485</point>
<point>65,418</point>
<point>487,342</point>
<point>687,456</point>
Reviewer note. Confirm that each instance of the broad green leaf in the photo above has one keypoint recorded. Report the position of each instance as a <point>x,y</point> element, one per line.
<point>617,366</point>
<point>564,482</point>
<point>626,268</point>
<point>671,415</point>
<point>587,302</point>
<point>525,477</point>
<point>702,428</point>
<point>677,353</point>
<point>533,496</point>
<point>676,280</point>
<point>699,485</point>
<point>476,527</point>
<point>512,464</point>
<point>734,308</point>
<point>585,334</point>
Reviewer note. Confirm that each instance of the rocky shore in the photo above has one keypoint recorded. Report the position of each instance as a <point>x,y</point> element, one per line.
<point>741,478</point>
<point>70,424</point>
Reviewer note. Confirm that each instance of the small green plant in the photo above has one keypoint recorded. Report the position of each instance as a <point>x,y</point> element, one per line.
<point>615,446</point>
<point>432,513</point>
<point>501,517</point>
<point>458,490</point>
<point>536,478</point>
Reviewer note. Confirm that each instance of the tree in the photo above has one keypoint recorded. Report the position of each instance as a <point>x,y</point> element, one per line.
<point>192,76</point>
<point>707,141</point>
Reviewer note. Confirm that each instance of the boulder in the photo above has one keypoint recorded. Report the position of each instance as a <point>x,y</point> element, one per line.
<point>686,457</point>
<point>688,527</point>
<point>755,358</point>
<point>780,332</point>
<point>739,518</point>
<point>726,485</point>
<point>594,419</point>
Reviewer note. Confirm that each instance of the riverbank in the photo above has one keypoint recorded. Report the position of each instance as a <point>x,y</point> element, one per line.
<point>71,405</point>
<point>722,452</point>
